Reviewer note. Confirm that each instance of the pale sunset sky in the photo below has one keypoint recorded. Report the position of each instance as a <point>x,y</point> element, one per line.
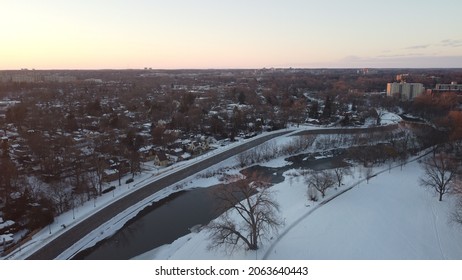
<point>166,34</point>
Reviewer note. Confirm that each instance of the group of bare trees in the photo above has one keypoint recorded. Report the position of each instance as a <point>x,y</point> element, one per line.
<point>320,181</point>
<point>442,169</point>
<point>373,148</point>
<point>323,180</point>
<point>261,153</point>
<point>251,213</point>
<point>269,150</point>
<point>23,198</point>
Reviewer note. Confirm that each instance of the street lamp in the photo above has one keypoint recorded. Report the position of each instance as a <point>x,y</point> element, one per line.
<point>73,208</point>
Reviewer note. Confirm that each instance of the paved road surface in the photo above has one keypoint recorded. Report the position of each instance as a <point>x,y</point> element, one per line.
<point>65,240</point>
<point>77,232</point>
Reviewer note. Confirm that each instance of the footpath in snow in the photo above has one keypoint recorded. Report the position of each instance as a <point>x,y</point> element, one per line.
<point>391,217</point>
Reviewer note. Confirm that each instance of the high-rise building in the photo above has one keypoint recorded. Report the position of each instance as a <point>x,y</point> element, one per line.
<point>405,91</point>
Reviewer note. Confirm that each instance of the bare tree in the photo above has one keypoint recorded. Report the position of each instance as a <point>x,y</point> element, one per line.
<point>456,186</point>
<point>440,171</point>
<point>369,173</point>
<point>135,162</point>
<point>243,159</point>
<point>158,136</point>
<point>457,213</point>
<point>340,174</point>
<point>81,187</point>
<point>8,178</point>
<point>380,114</point>
<point>320,180</point>
<point>253,215</point>
<point>100,165</point>
<point>312,193</point>
<point>60,193</point>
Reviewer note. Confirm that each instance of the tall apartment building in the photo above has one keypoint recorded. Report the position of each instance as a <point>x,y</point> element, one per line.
<point>405,91</point>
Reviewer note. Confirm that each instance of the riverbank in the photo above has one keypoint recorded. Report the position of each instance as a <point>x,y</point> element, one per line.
<point>391,217</point>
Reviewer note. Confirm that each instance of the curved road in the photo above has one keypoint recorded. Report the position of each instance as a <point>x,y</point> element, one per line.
<point>58,245</point>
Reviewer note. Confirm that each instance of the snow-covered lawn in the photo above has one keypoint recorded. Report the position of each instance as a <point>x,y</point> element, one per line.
<point>391,217</point>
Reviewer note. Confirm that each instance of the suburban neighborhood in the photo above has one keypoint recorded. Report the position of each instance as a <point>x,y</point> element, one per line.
<point>70,136</point>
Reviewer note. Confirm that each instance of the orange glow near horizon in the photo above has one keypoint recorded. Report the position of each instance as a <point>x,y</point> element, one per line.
<point>52,34</point>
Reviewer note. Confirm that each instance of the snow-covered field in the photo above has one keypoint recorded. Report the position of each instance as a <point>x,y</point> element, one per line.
<point>391,217</point>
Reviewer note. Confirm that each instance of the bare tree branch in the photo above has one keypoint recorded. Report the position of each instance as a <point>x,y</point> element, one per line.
<point>320,180</point>
<point>256,215</point>
<point>440,171</point>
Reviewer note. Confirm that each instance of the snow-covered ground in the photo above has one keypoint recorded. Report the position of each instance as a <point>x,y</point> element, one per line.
<point>150,173</point>
<point>392,217</point>
<point>389,118</point>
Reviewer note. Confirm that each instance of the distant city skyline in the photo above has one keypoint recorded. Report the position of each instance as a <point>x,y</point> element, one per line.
<point>182,34</point>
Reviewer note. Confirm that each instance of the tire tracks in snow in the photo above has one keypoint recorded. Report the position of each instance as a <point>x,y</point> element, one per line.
<point>296,222</point>
<point>437,235</point>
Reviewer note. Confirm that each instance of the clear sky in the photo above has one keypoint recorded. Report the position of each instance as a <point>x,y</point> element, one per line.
<point>96,34</point>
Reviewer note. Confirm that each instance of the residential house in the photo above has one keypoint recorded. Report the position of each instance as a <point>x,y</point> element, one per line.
<point>161,159</point>
<point>110,175</point>
<point>147,153</point>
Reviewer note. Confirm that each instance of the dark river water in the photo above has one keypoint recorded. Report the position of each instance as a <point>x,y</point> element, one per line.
<point>168,219</point>
<point>156,225</point>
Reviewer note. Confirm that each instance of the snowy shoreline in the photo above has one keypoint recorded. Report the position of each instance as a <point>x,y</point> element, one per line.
<point>71,218</point>
<point>178,248</point>
<point>303,238</point>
